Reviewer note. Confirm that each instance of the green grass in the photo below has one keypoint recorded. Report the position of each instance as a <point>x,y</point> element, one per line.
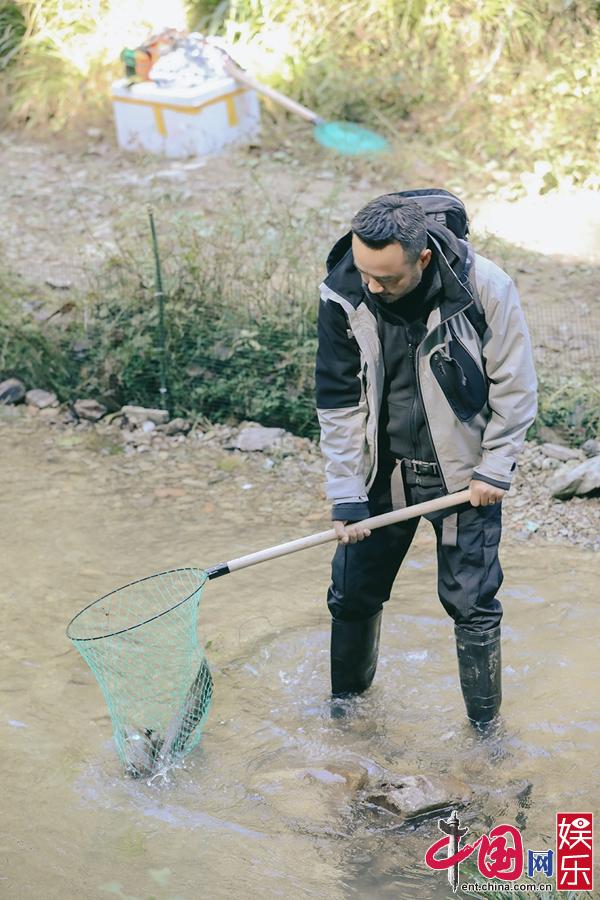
<point>569,405</point>
<point>241,331</point>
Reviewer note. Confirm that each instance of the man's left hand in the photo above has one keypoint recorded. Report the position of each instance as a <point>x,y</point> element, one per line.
<point>483,494</point>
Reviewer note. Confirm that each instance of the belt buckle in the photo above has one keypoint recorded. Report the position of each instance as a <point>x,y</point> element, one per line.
<point>421,467</point>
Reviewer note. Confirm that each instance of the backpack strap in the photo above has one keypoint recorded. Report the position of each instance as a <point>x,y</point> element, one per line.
<point>475,313</point>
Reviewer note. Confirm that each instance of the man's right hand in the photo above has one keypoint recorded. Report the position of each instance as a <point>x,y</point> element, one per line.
<point>350,534</point>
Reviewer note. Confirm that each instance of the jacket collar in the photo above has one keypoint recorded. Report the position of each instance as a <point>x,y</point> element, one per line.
<point>453,256</point>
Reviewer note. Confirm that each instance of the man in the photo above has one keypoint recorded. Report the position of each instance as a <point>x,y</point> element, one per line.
<point>425,386</point>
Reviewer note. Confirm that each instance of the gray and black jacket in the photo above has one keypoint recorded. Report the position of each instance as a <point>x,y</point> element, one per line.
<point>474,368</point>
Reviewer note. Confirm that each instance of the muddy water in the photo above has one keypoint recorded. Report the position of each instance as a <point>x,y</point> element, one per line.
<point>236,820</point>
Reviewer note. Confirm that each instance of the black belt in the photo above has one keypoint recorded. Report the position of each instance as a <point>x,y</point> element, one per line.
<point>421,467</point>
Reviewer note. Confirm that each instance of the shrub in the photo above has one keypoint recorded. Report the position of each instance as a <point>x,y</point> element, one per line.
<point>241,329</point>
<point>485,82</point>
<point>241,303</point>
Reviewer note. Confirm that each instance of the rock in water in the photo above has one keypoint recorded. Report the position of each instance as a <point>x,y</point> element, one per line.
<point>410,796</point>
<point>12,391</point>
<point>312,796</point>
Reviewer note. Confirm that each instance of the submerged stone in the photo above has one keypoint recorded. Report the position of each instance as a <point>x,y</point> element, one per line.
<point>314,794</point>
<point>409,796</point>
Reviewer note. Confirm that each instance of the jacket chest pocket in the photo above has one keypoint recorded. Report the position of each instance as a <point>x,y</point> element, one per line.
<point>364,381</point>
<point>461,380</point>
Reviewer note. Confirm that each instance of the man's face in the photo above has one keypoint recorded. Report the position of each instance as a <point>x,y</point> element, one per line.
<point>387,272</point>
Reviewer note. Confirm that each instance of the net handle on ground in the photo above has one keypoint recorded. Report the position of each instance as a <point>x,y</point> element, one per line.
<point>323,537</point>
<point>240,75</point>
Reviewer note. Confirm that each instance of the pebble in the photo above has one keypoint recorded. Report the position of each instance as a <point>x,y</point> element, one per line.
<point>12,391</point>
<point>41,399</point>
<point>176,426</point>
<point>292,467</point>
<point>591,447</point>
<point>558,452</point>
<point>137,415</point>
<point>90,410</point>
<point>255,437</point>
<point>59,284</point>
<point>51,413</point>
<point>550,462</point>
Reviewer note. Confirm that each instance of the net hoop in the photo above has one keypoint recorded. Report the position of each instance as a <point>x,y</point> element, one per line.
<point>203,577</point>
<point>350,138</point>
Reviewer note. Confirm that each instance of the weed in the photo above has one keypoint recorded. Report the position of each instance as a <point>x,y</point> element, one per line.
<point>241,337</point>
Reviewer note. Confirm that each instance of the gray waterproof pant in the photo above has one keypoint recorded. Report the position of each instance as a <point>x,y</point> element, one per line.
<point>469,571</point>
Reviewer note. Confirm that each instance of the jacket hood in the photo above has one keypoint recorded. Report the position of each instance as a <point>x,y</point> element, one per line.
<point>453,256</point>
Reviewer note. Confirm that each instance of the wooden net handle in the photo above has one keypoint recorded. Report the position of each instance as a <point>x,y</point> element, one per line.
<point>323,537</point>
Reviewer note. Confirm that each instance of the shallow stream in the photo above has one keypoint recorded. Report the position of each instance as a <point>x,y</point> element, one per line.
<point>253,812</point>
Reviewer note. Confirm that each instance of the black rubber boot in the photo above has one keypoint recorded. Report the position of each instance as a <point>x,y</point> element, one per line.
<point>480,670</point>
<point>354,651</point>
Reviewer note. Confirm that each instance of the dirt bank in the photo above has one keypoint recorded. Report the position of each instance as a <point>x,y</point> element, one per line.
<point>286,481</point>
<point>64,205</point>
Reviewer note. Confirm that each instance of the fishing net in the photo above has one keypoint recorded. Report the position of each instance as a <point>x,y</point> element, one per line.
<point>141,643</point>
<point>350,138</point>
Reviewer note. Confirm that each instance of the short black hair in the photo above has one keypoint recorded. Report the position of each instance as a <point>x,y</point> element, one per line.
<point>392,218</point>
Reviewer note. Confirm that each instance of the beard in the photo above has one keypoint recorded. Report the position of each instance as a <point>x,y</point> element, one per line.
<point>391,297</point>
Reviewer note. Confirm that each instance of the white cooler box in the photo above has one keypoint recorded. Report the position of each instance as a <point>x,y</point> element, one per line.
<point>184,122</point>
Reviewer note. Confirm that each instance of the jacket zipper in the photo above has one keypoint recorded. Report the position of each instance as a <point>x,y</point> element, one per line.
<point>374,461</point>
<point>431,441</point>
<point>442,322</point>
<point>413,427</point>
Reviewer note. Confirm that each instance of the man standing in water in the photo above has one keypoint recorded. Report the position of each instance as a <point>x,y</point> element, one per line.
<point>425,386</point>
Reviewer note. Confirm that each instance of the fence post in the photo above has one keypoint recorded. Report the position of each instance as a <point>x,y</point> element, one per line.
<point>165,399</point>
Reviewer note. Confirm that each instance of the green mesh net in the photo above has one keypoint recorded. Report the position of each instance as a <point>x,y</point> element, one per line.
<point>350,138</point>
<point>141,643</point>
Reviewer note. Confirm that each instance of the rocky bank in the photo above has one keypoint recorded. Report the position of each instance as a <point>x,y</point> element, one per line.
<point>555,495</point>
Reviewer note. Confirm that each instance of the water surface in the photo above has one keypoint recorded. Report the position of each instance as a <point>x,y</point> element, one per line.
<point>242,818</point>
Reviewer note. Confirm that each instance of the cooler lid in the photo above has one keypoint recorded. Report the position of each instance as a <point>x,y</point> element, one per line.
<point>152,93</point>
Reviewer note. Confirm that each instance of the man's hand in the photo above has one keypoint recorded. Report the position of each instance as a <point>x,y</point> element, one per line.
<point>483,494</point>
<point>351,534</point>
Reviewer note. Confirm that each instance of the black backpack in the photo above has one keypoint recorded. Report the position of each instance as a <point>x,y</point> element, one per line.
<point>446,208</point>
<point>442,206</point>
